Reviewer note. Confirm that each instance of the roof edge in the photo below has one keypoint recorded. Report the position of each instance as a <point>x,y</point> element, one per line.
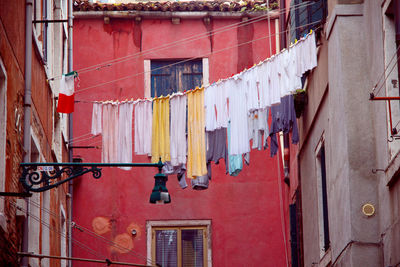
<point>129,14</point>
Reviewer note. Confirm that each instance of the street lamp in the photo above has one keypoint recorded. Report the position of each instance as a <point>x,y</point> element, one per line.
<point>40,177</point>
<point>160,192</point>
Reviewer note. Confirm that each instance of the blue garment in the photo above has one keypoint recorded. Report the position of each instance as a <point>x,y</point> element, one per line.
<point>235,161</point>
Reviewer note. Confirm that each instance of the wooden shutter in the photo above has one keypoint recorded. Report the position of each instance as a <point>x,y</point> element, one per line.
<point>168,76</point>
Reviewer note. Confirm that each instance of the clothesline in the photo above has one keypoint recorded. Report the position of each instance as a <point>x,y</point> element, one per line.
<point>193,128</point>
<point>186,40</point>
<point>297,42</point>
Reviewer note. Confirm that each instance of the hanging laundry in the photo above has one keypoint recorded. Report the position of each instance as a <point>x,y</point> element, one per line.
<point>196,162</point>
<point>216,150</point>
<point>125,134</point>
<point>160,145</point>
<point>200,182</point>
<point>179,170</point>
<point>251,80</point>
<point>283,119</point>
<point>306,54</point>
<point>210,107</point>
<point>239,138</point>
<point>143,127</point>
<point>258,128</point>
<point>96,119</point>
<point>66,96</point>
<point>178,129</point>
<point>235,162</point>
<point>265,85</point>
<point>216,147</point>
<point>221,105</point>
<point>110,133</point>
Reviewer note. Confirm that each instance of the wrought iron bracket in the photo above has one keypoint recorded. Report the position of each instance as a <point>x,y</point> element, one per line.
<point>40,177</point>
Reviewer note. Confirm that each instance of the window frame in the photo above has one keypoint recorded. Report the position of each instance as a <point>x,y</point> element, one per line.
<point>205,225</point>
<point>322,191</point>
<point>147,73</point>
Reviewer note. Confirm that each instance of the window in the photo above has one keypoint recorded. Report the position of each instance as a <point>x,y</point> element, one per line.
<point>306,15</point>
<point>3,123</point>
<point>391,52</point>
<point>180,243</point>
<point>296,241</point>
<point>41,30</point>
<point>324,241</point>
<point>170,76</point>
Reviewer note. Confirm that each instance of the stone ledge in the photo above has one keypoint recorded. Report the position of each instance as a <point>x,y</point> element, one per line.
<point>343,11</point>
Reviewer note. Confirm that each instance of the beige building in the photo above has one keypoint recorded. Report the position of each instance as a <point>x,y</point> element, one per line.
<point>349,161</point>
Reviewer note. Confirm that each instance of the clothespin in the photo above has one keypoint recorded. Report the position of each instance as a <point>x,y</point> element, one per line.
<point>295,41</point>
<point>311,31</point>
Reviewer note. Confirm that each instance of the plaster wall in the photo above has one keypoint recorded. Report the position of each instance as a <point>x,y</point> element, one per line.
<point>244,210</point>
<point>351,129</point>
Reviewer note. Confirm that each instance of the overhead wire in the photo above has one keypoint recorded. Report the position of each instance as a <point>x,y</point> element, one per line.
<point>184,40</point>
<point>80,244</point>
<point>186,60</point>
<point>166,46</point>
<point>126,77</point>
<point>387,75</point>
<point>384,72</point>
<point>189,39</point>
<point>79,227</point>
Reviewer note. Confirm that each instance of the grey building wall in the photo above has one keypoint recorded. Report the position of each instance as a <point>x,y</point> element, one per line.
<point>351,59</point>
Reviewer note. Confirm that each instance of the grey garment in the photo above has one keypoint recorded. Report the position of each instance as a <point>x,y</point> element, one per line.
<point>200,182</point>
<point>283,119</point>
<point>179,170</point>
<point>216,147</point>
<point>216,150</point>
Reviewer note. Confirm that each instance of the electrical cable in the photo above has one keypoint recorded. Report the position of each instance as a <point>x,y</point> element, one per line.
<point>387,76</point>
<point>79,227</point>
<point>80,244</point>
<point>98,141</point>
<point>383,74</point>
<point>186,60</point>
<point>189,39</point>
<point>184,40</point>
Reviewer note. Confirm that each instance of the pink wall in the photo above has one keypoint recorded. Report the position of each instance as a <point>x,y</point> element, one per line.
<point>245,210</point>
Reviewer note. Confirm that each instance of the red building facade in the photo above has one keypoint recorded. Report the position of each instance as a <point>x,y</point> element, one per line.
<point>239,220</point>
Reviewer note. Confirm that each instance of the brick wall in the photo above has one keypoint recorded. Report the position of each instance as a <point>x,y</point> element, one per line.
<point>12,41</point>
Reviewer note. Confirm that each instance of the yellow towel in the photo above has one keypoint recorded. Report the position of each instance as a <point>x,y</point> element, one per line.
<point>160,138</point>
<point>196,163</point>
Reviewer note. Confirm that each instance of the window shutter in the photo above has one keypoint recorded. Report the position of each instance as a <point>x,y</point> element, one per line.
<point>170,76</point>
<point>166,248</point>
<point>192,248</point>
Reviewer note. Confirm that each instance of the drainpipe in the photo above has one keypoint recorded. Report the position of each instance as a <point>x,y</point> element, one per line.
<point>27,114</point>
<point>70,132</point>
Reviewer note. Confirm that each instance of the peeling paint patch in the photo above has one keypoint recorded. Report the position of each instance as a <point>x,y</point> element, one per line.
<point>124,242</point>
<point>101,225</point>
